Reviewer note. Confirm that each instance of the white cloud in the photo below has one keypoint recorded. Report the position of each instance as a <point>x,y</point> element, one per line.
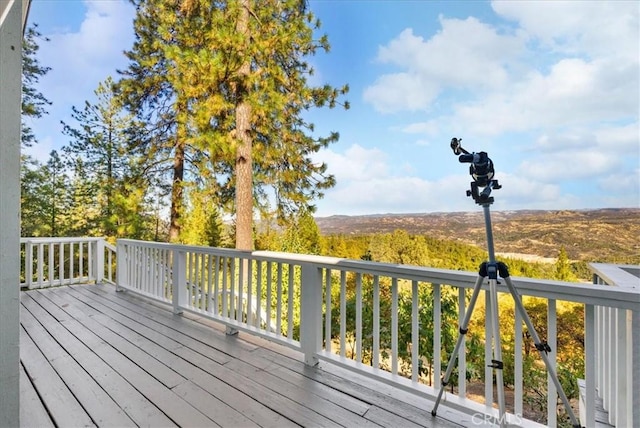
<point>532,193</point>
<point>464,54</point>
<point>400,91</point>
<point>627,184</point>
<point>375,188</point>
<point>573,27</point>
<point>622,139</point>
<point>429,128</point>
<point>558,68</point>
<point>357,163</point>
<point>564,165</point>
<point>574,93</point>
<point>578,141</point>
<point>80,60</point>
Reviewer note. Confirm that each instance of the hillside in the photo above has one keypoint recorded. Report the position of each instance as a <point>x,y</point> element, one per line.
<point>611,235</point>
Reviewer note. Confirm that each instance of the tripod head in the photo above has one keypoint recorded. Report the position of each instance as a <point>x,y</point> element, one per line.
<point>481,169</point>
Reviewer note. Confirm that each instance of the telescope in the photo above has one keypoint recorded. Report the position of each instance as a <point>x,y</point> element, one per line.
<point>481,170</point>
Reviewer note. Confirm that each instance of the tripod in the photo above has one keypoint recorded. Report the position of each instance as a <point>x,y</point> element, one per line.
<point>482,171</point>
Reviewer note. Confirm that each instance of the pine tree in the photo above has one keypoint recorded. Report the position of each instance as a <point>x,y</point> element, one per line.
<point>302,236</point>
<point>563,266</point>
<point>54,187</point>
<point>147,90</point>
<point>105,138</point>
<point>201,220</point>
<point>44,202</point>
<point>232,76</point>
<point>34,103</point>
<point>31,219</point>
<point>84,213</point>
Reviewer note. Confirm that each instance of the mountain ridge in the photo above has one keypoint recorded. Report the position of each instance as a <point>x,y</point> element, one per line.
<point>605,234</point>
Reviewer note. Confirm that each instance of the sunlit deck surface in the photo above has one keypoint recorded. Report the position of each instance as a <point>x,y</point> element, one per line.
<point>91,356</point>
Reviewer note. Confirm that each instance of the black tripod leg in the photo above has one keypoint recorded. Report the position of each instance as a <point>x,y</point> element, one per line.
<point>542,348</point>
<point>463,332</point>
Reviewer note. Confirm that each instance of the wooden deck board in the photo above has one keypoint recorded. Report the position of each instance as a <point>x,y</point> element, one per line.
<point>139,408</point>
<point>91,396</point>
<point>92,356</point>
<point>32,410</point>
<point>62,405</point>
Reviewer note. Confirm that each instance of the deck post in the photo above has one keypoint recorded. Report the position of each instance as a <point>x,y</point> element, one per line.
<point>179,280</point>
<point>98,269</point>
<point>311,313</point>
<point>11,14</point>
<point>28,264</point>
<point>122,265</point>
<point>633,355</point>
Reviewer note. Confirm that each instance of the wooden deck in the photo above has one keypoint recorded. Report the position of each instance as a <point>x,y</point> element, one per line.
<point>94,357</point>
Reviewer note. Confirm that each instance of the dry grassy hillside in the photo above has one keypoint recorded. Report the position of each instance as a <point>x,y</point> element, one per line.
<point>611,235</point>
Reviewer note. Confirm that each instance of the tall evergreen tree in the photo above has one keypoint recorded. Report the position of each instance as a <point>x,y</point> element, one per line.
<point>54,188</point>
<point>44,202</point>
<point>31,199</point>
<point>148,91</point>
<point>106,139</point>
<point>34,105</point>
<point>201,220</point>
<point>84,212</point>
<point>235,75</point>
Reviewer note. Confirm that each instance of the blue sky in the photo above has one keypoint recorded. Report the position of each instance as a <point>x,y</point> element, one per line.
<point>551,90</point>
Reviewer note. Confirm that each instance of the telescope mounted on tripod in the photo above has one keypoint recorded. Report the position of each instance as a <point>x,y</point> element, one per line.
<point>481,170</point>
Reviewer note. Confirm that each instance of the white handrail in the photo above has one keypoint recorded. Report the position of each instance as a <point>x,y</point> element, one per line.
<point>287,290</point>
<point>55,261</point>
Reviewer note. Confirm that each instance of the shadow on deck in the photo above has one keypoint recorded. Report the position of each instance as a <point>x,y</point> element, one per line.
<point>94,357</point>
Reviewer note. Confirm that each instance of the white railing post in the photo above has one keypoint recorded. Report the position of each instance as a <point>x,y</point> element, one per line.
<point>311,313</point>
<point>122,265</point>
<point>40,264</point>
<point>623,407</point>
<point>99,261</point>
<point>552,335</point>
<point>179,280</point>
<point>634,362</point>
<point>588,412</point>
<point>28,264</point>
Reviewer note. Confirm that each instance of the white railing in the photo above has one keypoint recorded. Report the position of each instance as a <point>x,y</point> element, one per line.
<point>48,262</point>
<point>319,305</point>
<point>613,354</point>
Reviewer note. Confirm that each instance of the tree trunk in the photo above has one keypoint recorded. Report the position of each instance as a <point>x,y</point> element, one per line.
<point>244,163</point>
<point>176,192</point>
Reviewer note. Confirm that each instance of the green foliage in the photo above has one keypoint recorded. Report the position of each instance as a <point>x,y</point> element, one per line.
<point>401,247</point>
<point>84,211</point>
<point>228,82</point>
<point>563,267</point>
<point>352,247</point>
<point>302,236</point>
<point>103,141</point>
<point>202,223</point>
<point>34,102</point>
